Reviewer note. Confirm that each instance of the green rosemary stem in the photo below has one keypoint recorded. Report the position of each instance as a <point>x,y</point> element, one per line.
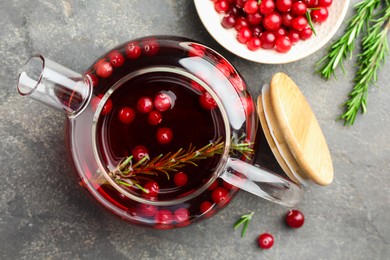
<point>374,50</point>
<point>127,174</point>
<point>344,46</point>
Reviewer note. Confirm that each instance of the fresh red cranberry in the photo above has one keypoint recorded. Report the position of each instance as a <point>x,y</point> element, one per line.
<point>106,108</point>
<point>283,44</point>
<point>325,3</point>
<point>305,33</point>
<point>221,6</point>
<point>283,5</point>
<point>281,32</point>
<point>150,46</point>
<point>181,215</point>
<point>294,36</point>
<point>207,101</point>
<point>206,207</point>
<point>213,185</point>
<point>265,241</point>
<point>145,105</point>
<point>164,135</point>
<point>319,15</point>
<point>133,50</point>
<point>94,79</point>
<point>152,188</point>
<point>154,117</point>
<point>240,23</point>
<point>228,21</point>
<point>126,115</point>
<point>251,6</point>
<point>254,19</point>
<point>244,35</point>
<point>97,64</point>
<point>299,23</point>
<point>310,3</point>
<point>298,8</point>
<point>147,210</point>
<point>267,40</point>
<point>240,3</point>
<point>163,101</point>
<point>234,10</point>
<point>287,19</point>
<point>266,6</point>
<point>104,70</point>
<point>180,179</point>
<point>254,44</point>
<point>219,195</point>
<point>228,186</point>
<point>272,21</point>
<point>116,59</point>
<point>139,152</point>
<point>295,218</point>
<point>256,31</point>
<point>164,217</point>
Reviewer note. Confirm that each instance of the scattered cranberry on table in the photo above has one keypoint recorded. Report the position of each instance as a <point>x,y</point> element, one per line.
<point>265,241</point>
<point>257,22</point>
<point>295,218</point>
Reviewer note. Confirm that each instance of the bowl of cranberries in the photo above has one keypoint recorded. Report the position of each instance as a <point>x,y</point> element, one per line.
<point>272,31</point>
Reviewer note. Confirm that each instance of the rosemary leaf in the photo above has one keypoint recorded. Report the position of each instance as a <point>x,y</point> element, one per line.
<point>375,48</point>
<point>243,220</point>
<point>344,46</point>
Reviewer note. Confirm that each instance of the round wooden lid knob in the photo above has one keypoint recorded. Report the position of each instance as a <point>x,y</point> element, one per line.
<point>294,130</point>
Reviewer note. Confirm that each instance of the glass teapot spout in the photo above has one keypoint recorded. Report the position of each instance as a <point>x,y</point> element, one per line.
<point>54,85</point>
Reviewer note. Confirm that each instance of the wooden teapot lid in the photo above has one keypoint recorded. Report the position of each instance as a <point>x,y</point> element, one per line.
<point>293,132</point>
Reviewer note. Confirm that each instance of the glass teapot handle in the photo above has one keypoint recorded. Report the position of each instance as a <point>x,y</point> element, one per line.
<point>262,183</point>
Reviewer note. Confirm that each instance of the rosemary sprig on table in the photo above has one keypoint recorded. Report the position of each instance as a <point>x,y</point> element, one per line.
<point>243,220</point>
<point>344,46</point>
<point>372,19</point>
<point>128,174</point>
<point>374,50</point>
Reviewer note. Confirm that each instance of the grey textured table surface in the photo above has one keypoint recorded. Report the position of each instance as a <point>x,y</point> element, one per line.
<point>45,215</point>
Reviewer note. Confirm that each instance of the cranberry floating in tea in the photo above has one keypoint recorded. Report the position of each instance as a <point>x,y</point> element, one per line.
<point>161,132</point>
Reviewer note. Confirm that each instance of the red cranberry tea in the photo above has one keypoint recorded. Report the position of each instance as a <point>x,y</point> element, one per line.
<point>142,161</point>
<point>151,137</point>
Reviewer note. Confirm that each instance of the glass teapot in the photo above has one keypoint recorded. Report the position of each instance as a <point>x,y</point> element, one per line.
<point>161,130</point>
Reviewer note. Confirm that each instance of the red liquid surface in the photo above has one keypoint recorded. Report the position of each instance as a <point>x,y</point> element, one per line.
<point>191,125</point>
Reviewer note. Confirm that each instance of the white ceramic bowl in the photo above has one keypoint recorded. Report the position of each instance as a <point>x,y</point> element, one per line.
<point>227,37</point>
